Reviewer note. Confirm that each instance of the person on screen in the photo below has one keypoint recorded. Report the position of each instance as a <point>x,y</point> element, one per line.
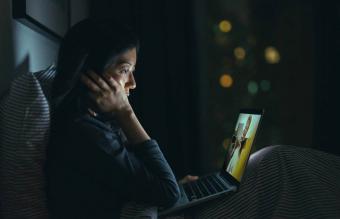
<point>238,147</point>
<point>230,148</point>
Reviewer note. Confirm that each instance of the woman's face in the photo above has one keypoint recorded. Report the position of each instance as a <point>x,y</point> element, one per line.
<point>122,70</point>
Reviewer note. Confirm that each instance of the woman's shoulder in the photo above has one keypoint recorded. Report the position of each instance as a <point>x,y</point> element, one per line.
<point>89,125</point>
<point>86,120</point>
<point>80,124</point>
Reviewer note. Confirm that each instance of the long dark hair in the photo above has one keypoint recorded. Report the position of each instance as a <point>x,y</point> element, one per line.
<point>92,44</point>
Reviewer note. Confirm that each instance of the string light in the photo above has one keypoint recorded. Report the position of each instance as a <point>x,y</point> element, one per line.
<point>253,87</point>
<point>225,26</point>
<point>239,53</point>
<point>226,143</point>
<point>272,55</point>
<point>265,85</point>
<point>226,81</point>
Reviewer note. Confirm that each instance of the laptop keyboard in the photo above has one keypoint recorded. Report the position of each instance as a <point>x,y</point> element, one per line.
<point>204,187</point>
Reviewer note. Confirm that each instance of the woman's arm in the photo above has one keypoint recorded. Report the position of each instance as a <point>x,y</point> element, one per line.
<point>139,172</point>
<point>147,172</point>
<point>131,127</point>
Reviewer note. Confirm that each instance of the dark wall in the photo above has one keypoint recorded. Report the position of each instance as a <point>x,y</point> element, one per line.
<point>327,80</point>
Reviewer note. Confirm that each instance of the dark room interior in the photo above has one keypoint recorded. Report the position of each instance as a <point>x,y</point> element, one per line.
<point>184,54</point>
<point>199,63</point>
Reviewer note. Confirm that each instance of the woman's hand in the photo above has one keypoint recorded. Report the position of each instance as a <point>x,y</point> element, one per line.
<point>106,93</point>
<point>187,178</point>
<point>110,97</point>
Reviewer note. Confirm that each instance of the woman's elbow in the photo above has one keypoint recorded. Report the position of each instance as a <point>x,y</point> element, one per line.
<point>172,195</point>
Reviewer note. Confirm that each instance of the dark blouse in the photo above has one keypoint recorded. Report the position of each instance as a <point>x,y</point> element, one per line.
<point>91,172</point>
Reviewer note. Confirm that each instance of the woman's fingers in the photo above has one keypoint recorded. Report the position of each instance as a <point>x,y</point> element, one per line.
<point>188,178</point>
<point>89,83</point>
<point>100,82</point>
<point>106,94</point>
<point>192,178</point>
<point>111,82</point>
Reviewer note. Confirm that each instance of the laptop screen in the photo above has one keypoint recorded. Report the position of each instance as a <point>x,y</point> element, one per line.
<point>240,144</point>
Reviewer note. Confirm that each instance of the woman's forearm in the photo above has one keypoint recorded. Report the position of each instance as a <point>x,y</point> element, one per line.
<point>131,127</point>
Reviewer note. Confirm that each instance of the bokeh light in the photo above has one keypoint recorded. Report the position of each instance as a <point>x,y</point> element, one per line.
<point>239,53</point>
<point>225,26</point>
<point>226,143</point>
<point>253,87</point>
<point>226,81</point>
<point>272,55</point>
<point>265,85</point>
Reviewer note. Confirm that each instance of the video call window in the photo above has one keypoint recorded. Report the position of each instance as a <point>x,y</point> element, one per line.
<point>240,146</point>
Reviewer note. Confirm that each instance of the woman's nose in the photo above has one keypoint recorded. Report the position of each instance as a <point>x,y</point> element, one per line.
<point>131,83</point>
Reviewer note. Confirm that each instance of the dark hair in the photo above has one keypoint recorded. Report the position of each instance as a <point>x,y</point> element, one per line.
<point>92,44</point>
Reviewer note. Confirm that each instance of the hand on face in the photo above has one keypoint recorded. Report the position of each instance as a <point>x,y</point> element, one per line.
<point>107,94</point>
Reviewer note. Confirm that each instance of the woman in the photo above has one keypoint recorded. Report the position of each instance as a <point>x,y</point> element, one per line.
<point>99,155</point>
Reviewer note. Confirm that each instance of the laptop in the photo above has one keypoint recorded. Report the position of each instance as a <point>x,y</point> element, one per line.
<point>228,179</point>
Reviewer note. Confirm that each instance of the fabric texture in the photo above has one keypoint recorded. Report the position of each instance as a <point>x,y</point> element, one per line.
<point>24,131</point>
<point>45,78</point>
<point>283,182</point>
<point>133,210</point>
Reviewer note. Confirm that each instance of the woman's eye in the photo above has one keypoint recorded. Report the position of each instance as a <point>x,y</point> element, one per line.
<point>124,71</point>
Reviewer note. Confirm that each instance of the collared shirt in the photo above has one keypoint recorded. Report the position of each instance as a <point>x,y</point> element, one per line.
<point>91,171</point>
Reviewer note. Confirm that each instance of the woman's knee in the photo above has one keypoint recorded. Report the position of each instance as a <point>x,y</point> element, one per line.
<point>263,153</point>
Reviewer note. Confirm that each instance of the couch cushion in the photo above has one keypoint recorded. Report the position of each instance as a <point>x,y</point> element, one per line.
<point>45,78</point>
<point>24,130</point>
